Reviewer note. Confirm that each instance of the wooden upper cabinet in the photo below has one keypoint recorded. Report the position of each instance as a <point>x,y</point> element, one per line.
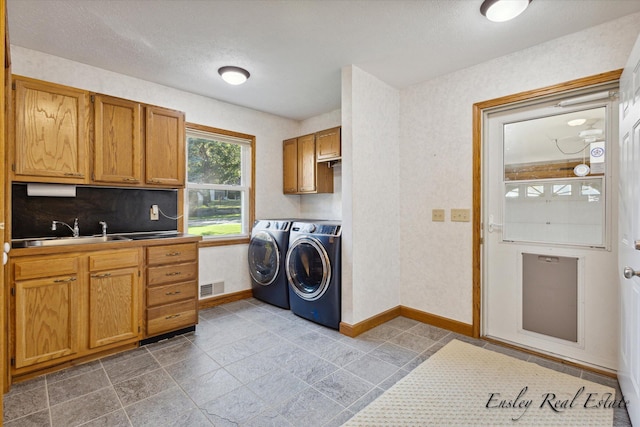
<point>328,144</point>
<point>301,172</point>
<point>51,132</point>
<point>307,164</point>
<point>117,145</point>
<point>52,144</point>
<point>290,166</point>
<point>165,147</point>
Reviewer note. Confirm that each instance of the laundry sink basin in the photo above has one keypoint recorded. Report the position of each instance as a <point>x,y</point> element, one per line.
<point>61,241</point>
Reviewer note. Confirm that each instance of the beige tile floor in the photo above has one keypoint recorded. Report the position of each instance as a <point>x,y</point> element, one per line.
<point>247,364</point>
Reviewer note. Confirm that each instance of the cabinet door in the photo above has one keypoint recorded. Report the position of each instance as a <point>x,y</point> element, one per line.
<point>114,307</point>
<point>46,325</point>
<point>164,147</point>
<point>114,297</point>
<point>117,147</point>
<point>328,144</point>
<point>290,166</point>
<point>307,164</point>
<point>51,136</point>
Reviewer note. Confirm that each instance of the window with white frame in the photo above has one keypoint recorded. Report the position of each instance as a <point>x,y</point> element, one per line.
<point>218,194</point>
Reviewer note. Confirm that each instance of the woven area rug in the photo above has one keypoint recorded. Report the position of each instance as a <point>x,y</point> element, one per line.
<point>464,385</point>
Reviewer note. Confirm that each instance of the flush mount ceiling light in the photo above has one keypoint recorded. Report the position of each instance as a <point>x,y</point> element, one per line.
<point>576,122</point>
<point>233,75</point>
<point>503,10</point>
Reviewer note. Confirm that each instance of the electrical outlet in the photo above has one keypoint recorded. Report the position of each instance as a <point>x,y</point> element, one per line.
<point>153,213</point>
<point>460,215</point>
<point>437,215</point>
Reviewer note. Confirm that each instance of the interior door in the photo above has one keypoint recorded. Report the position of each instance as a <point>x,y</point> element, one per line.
<point>629,235</point>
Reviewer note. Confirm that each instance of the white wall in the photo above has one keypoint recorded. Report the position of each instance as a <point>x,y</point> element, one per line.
<point>370,261</point>
<point>436,157</point>
<point>227,263</point>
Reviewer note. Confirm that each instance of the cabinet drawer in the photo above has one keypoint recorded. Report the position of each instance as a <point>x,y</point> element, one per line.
<point>115,259</point>
<point>48,267</point>
<point>171,273</point>
<point>166,294</point>
<point>186,252</point>
<point>171,316</point>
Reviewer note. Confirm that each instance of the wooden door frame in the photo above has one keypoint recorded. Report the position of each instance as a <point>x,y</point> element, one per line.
<point>478,110</point>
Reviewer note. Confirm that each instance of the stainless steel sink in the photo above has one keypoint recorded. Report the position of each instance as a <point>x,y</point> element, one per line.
<point>60,241</point>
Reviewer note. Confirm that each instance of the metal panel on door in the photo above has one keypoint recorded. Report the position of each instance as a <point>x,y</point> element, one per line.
<point>550,295</point>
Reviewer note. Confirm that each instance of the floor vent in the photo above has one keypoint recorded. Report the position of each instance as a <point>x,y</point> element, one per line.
<point>206,290</point>
<point>218,288</point>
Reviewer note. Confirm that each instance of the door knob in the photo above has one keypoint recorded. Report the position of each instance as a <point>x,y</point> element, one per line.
<point>630,272</point>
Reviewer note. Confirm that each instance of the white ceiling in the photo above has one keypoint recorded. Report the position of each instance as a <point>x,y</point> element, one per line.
<point>294,49</point>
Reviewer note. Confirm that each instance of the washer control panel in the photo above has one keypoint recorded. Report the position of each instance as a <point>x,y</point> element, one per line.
<point>331,229</point>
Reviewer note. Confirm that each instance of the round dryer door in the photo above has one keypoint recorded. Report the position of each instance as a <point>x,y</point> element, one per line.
<point>308,268</point>
<point>264,258</point>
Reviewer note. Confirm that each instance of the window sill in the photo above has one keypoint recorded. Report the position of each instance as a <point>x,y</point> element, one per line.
<point>205,243</point>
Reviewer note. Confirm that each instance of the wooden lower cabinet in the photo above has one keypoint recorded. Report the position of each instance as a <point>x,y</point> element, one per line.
<point>75,306</point>
<point>72,305</point>
<point>114,298</point>
<point>46,323</point>
<point>46,303</point>
<point>172,288</point>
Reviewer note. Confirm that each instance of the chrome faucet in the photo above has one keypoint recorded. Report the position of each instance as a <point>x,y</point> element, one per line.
<point>75,229</point>
<point>104,228</point>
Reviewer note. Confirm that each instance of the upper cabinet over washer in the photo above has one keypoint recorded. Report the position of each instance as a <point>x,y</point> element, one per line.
<point>306,162</point>
<point>328,145</point>
<point>63,137</point>
<point>51,133</point>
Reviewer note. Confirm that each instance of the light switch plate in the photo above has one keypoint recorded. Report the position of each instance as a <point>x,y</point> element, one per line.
<point>460,215</point>
<point>437,215</point>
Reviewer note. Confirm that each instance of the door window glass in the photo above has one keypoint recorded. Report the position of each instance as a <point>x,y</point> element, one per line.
<point>554,172</point>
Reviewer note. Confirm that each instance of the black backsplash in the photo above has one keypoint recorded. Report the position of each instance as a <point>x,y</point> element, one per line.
<point>125,210</point>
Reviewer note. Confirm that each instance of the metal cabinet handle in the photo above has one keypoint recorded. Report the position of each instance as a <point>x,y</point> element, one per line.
<point>173,316</point>
<point>173,253</point>
<point>173,293</point>
<point>99,276</point>
<point>70,279</point>
<point>79,175</point>
<point>130,179</point>
<point>630,272</point>
<point>175,273</point>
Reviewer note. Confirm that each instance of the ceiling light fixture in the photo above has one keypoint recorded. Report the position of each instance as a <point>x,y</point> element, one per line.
<point>576,122</point>
<point>503,10</point>
<point>233,75</point>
